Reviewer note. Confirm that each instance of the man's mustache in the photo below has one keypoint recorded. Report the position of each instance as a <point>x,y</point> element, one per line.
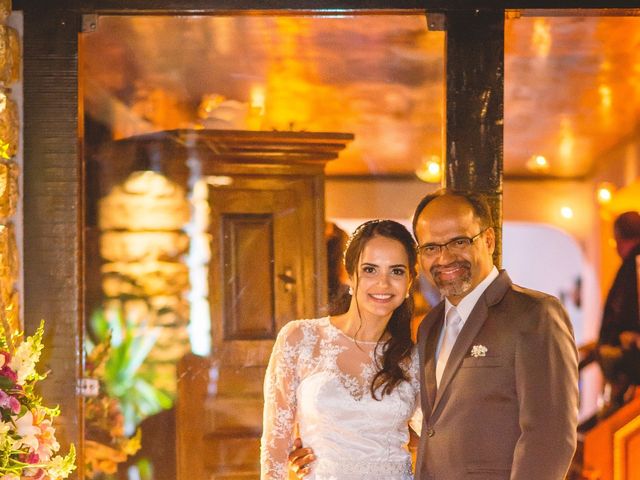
<point>436,269</point>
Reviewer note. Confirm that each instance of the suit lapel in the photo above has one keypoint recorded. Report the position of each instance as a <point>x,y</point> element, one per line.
<point>430,333</point>
<point>430,364</point>
<point>492,295</point>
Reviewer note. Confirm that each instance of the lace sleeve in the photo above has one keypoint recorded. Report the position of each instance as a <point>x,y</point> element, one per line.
<point>415,422</point>
<point>280,384</point>
<point>414,371</point>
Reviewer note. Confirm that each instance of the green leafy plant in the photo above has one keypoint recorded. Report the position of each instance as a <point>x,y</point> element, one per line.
<point>123,375</point>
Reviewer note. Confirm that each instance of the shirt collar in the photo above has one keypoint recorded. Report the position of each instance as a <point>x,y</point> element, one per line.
<point>470,299</point>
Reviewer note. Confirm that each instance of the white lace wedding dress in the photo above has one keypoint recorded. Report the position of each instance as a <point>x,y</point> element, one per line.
<point>319,378</point>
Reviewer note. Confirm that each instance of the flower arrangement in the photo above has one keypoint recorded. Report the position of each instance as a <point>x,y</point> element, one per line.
<point>28,444</point>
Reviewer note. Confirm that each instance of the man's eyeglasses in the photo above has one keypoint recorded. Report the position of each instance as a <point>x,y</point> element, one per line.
<point>455,245</point>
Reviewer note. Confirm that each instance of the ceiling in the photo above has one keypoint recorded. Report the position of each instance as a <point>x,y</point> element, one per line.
<point>572,84</point>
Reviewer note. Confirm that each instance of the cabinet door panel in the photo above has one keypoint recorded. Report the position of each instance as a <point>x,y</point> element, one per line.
<point>248,276</point>
<point>265,234</point>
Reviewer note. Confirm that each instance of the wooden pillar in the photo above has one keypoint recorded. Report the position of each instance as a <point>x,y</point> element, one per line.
<point>53,209</point>
<point>474,111</point>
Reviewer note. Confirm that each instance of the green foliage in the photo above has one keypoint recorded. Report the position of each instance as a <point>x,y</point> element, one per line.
<point>123,376</point>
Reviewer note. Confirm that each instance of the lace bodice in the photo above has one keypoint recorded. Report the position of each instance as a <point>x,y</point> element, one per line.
<point>320,378</point>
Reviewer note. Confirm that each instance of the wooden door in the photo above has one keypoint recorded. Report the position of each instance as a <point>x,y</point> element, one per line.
<point>264,238</point>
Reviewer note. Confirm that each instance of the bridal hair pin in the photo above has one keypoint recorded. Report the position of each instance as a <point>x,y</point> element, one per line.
<point>361,227</point>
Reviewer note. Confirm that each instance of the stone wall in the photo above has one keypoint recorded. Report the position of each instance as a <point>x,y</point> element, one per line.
<point>10,58</point>
<point>144,275</point>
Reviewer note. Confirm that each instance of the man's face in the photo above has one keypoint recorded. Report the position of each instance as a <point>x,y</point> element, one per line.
<point>625,245</point>
<point>455,274</point>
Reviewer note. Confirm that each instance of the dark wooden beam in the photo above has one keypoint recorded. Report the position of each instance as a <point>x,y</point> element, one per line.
<point>167,7</point>
<point>474,59</point>
<point>53,252</point>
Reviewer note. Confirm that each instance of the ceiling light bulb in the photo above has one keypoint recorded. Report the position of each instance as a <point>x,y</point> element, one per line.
<point>538,163</point>
<point>566,212</point>
<point>604,195</point>
<point>605,192</point>
<point>430,171</point>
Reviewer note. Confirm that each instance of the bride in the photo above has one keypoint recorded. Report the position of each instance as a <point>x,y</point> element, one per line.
<point>349,383</point>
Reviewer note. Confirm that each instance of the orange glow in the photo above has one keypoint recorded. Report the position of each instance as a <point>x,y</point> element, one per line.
<point>258,98</point>
<point>257,108</point>
<point>290,81</point>
<point>541,37</point>
<point>605,96</point>
<point>567,142</point>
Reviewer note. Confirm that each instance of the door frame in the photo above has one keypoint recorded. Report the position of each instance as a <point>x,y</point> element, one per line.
<point>54,169</point>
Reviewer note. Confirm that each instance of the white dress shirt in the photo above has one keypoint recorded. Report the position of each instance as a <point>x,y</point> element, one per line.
<point>467,304</point>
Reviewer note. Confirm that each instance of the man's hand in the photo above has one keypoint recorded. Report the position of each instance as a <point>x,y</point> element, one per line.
<point>300,459</point>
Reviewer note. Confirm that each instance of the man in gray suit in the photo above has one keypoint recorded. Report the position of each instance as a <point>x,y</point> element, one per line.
<point>499,384</point>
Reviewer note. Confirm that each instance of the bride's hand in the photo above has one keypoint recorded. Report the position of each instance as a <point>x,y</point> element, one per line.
<point>300,459</point>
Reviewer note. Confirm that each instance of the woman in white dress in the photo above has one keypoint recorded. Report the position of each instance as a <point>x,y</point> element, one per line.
<point>349,382</point>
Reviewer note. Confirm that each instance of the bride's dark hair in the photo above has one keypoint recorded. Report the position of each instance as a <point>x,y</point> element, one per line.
<point>397,348</point>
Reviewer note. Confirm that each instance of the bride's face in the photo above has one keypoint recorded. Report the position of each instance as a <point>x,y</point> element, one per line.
<point>382,281</point>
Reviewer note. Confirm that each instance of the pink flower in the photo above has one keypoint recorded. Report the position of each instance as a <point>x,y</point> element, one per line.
<point>47,441</point>
<point>31,458</point>
<point>7,401</point>
<point>5,369</point>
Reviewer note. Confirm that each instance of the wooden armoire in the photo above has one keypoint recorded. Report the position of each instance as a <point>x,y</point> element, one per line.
<point>268,266</point>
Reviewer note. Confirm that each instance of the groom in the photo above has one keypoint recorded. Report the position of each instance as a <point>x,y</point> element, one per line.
<point>499,382</point>
<point>500,379</point>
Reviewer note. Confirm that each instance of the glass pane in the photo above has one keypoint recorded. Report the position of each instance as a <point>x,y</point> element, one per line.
<point>217,150</point>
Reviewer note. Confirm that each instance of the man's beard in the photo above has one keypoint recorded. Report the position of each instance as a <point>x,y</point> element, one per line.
<point>456,287</point>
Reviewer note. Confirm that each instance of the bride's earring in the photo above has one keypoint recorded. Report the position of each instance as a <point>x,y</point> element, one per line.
<point>351,291</point>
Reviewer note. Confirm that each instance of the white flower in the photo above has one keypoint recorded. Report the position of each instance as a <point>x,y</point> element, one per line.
<point>479,351</point>
<point>61,467</point>
<point>24,360</point>
<point>27,432</point>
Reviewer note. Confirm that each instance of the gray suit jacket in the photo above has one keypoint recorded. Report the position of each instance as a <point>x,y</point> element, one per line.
<point>512,412</point>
